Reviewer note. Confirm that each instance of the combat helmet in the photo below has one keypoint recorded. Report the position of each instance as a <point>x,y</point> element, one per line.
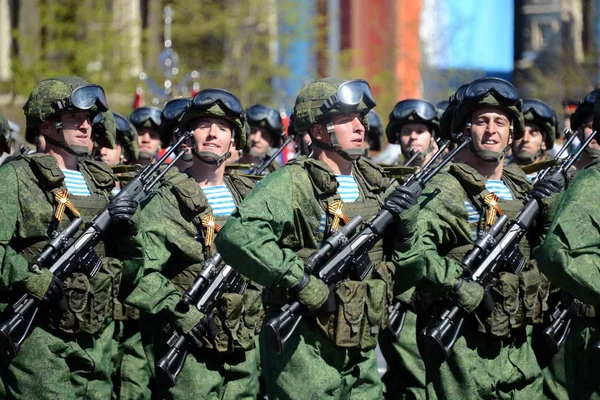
<point>585,108</point>
<point>319,100</point>
<point>485,93</point>
<point>447,115</point>
<point>221,104</point>
<point>375,132</point>
<point>261,116</point>
<point>537,112</point>
<point>169,119</point>
<point>52,97</point>
<point>128,136</point>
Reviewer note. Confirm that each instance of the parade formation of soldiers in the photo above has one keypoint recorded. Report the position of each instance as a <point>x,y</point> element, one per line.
<point>167,254</point>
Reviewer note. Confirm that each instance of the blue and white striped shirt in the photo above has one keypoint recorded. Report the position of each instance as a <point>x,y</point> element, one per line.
<point>75,183</point>
<point>348,190</point>
<point>493,185</point>
<point>220,199</point>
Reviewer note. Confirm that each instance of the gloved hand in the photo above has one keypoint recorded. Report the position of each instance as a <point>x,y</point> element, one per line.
<point>45,286</point>
<point>122,207</point>
<point>207,327</point>
<point>403,198</point>
<point>314,293</point>
<point>548,186</point>
<point>468,294</point>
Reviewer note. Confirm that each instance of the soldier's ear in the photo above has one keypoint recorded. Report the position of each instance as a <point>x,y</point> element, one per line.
<point>317,131</point>
<point>46,127</point>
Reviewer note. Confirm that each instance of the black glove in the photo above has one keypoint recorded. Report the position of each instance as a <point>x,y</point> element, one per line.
<point>548,186</point>
<point>122,207</point>
<point>207,327</point>
<point>403,198</point>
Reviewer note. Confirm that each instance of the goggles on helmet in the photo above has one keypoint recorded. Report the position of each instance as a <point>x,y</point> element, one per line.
<point>122,123</point>
<point>258,113</point>
<point>228,102</point>
<point>174,108</point>
<point>480,88</point>
<point>423,109</point>
<point>140,115</point>
<point>538,108</point>
<point>349,94</point>
<point>84,98</point>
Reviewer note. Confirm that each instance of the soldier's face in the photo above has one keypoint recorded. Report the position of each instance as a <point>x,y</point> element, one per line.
<point>111,156</point>
<point>490,129</point>
<point>76,127</point>
<point>415,137</point>
<point>213,134</point>
<point>260,140</point>
<point>149,140</point>
<point>532,140</point>
<point>349,131</point>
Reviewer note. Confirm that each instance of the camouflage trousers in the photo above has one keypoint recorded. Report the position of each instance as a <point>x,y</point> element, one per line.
<point>206,374</point>
<point>311,367</point>
<point>49,367</point>
<point>582,363</point>
<point>405,376</point>
<point>483,367</point>
<point>552,365</point>
<point>132,370</point>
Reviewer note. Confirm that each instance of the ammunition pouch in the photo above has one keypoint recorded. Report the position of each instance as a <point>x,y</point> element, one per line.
<point>90,302</point>
<point>519,300</point>
<point>239,318</point>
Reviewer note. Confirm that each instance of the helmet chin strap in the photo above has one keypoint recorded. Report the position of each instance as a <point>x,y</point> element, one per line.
<point>349,155</point>
<point>488,155</point>
<point>208,157</point>
<point>77,151</point>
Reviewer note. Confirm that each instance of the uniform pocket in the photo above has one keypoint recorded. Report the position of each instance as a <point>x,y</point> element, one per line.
<point>376,306</point>
<point>350,296</point>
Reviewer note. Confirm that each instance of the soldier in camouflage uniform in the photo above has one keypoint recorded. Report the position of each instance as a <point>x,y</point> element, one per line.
<point>267,135</point>
<point>414,125</point>
<point>179,222</point>
<point>569,257</point>
<point>538,138</point>
<point>69,355</point>
<point>126,148</point>
<point>147,123</point>
<point>332,353</point>
<point>493,357</point>
<point>374,135</point>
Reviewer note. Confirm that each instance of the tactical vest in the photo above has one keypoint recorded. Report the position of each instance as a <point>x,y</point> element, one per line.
<point>519,299</point>
<point>238,316</point>
<point>361,305</point>
<point>90,301</point>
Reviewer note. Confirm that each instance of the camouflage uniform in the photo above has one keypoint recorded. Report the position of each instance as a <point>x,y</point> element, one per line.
<point>493,357</point>
<point>331,354</point>
<point>5,139</point>
<point>227,366</point>
<point>70,355</point>
<point>568,257</point>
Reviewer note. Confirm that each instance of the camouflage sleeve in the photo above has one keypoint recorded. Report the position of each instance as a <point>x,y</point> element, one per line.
<point>570,254</point>
<point>441,224</point>
<point>250,239</point>
<point>153,292</point>
<point>13,267</point>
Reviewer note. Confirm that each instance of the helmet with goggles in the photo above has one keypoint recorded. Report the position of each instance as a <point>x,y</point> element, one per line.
<point>493,93</point>
<point>128,136</point>
<point>375,131</point>
<point>584,109</point>
<point>145,117</point>
<point>169,118</point>
<point>537,112</point>
<point>221,104</point>
<point>412,111</point>
<point>318,101</point>
<point>261,116</point>
<point>55,96</point>
<point>447,115</point>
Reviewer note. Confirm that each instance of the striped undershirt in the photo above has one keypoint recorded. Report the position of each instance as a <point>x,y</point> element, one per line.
<point>220,199</point>
<point>493,185</point>
<point>348,190</point>
<point>75,183</point>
